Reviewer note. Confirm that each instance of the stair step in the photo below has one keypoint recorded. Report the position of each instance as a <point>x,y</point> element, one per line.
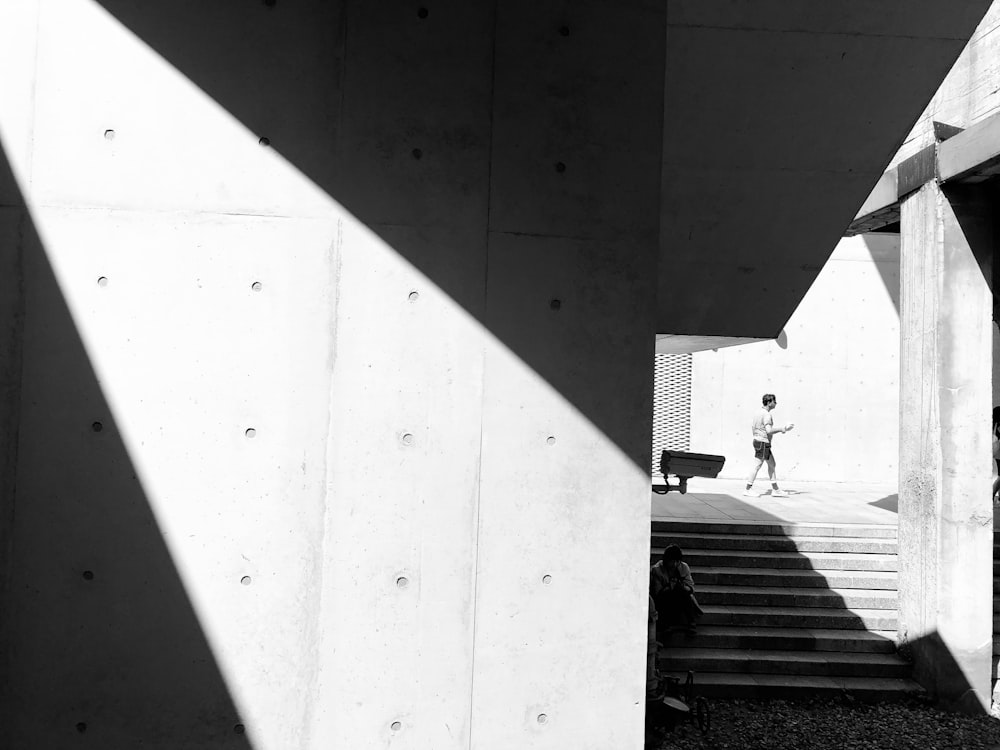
<point>792,638</point>
<point>709,540</point>
<point>789,608</point>
<point>791,687</point>
<point>786,596</point>
<point>801,617</point>
<point>836,579</point>
<point>698,558</point>
<point>805,663</point>
<point>755,528</point>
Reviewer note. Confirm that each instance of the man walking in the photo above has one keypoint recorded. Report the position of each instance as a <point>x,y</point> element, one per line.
<point>763,430</point>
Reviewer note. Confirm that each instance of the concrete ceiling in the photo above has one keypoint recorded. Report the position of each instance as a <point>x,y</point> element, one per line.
<point>780,116</point>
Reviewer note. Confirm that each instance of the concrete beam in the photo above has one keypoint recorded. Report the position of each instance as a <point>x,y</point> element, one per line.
<point>880,209</point>
<point>914,172</point>
<point>972,155</point>
<point>668,343</point>
<point>883,195</point>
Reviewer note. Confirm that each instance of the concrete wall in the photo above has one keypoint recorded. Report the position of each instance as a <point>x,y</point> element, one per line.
<point>834,368</point>
<point>327,329</point>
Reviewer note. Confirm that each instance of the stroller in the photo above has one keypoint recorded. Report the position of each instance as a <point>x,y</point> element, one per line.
<point>667,703</point>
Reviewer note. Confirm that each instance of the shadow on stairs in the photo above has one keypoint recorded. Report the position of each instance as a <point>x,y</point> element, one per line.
<point>791,610</point>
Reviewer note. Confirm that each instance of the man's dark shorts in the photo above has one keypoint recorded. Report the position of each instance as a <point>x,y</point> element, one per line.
<point>762,450</point>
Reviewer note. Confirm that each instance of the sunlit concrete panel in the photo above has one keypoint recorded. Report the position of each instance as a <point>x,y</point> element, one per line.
<point>118,125</point>
<point>398,574</point>
<point>170,487</point>
<point>563,525</point>
<point>403,473</point>
<point>226,362</point>
<point>834,367</point>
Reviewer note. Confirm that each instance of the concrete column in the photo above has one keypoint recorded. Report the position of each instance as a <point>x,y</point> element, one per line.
<point>945,509</point>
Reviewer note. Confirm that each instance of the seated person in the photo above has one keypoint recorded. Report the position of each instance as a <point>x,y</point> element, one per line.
<point>673,592</point>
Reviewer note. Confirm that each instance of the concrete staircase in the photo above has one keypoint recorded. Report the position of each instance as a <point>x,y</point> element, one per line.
<point>789,608</point>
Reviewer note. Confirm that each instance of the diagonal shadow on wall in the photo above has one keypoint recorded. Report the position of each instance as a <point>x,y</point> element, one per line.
<point>98,639</point>
<point>417,163</point>
<point>98,631</point>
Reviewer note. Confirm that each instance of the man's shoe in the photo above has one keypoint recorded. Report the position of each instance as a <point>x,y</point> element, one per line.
<point>750,493</point>
<point>779,493</point>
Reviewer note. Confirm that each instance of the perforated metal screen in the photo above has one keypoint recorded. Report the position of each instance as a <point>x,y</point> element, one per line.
<point>671,405</point>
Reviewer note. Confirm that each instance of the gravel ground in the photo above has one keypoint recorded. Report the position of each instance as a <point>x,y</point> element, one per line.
<point>841,724</point>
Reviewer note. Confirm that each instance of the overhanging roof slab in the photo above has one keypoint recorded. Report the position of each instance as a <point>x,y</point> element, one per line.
<point>780,117</point>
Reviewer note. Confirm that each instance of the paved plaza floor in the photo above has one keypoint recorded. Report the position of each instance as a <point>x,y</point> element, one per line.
<point>807,502</point>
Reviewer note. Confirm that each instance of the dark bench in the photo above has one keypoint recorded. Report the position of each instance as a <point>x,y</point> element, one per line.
<point>684,465</point>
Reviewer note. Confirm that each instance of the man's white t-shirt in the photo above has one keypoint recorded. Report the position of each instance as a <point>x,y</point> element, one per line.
<point>761,422</point>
